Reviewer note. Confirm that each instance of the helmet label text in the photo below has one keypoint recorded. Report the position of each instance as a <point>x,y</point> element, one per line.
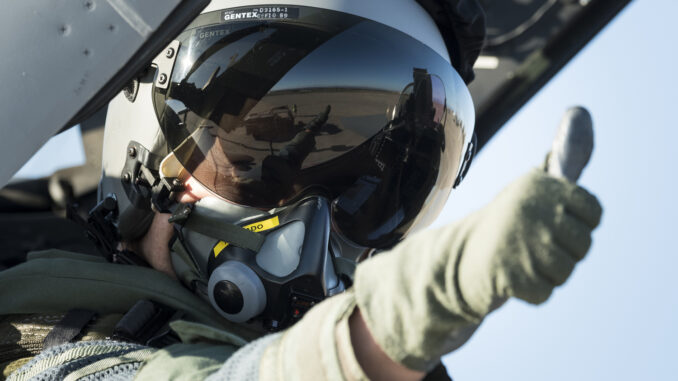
<point>260,13</point>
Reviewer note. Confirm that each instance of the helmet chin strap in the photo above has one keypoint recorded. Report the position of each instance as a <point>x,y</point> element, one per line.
<point>271,266</point>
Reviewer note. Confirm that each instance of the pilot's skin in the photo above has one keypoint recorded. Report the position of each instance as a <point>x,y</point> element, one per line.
<point>406,308</point>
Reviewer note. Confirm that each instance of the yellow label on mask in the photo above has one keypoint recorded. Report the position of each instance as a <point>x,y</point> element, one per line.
<point>255,227</point>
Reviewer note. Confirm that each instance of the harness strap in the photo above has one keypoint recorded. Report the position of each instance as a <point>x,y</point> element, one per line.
<point>68,328</point>
<point>26,335</point>
<point>22,336</point>
<point>221,230</point>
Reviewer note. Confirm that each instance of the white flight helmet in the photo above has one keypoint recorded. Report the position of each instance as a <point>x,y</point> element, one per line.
<point>372,83</point>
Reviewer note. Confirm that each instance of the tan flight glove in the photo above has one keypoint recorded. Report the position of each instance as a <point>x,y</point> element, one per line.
<point>427,296</point>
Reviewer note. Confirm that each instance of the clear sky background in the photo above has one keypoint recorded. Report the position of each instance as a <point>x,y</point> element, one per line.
<point>617,316</point>
<point>615,319</point>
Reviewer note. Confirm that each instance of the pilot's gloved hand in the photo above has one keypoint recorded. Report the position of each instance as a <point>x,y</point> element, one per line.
<point>527,242</point>
<point>427,296</point>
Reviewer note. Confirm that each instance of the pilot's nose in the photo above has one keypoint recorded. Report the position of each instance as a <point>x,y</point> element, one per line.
<point>193,191</point>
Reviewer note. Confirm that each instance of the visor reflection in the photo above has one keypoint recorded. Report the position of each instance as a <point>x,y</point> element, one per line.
<point>262,112</point>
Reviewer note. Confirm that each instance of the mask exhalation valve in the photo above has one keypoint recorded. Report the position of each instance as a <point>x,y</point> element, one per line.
<point>236,292</point>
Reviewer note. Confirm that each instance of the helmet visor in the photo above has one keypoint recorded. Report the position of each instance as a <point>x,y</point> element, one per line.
<point>262,107</point>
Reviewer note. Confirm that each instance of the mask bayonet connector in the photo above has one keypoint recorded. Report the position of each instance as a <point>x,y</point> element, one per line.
<point>99,226</point>
<point>144,186</point>
<point>100,229</point>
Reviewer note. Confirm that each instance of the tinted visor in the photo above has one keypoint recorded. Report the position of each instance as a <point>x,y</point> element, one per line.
<point>263,107</point>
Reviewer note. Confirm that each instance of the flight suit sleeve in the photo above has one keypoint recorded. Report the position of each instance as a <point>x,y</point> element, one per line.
<point>316,348</point>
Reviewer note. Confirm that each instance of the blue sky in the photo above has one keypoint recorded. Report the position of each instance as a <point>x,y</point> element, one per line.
<point>61,151</point>
<point>616,317</point>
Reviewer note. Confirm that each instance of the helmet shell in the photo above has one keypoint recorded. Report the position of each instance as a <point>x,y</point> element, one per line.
<point>136,120</point>
<point>405,15</point>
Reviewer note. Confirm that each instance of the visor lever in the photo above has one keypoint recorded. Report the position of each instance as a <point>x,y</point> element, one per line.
<point>165,192</point>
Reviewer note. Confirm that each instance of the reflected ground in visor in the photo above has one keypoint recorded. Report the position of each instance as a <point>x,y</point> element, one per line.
<point>259,111</point>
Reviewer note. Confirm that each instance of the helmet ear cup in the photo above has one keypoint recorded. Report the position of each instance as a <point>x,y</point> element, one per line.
<point>236,292</point>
